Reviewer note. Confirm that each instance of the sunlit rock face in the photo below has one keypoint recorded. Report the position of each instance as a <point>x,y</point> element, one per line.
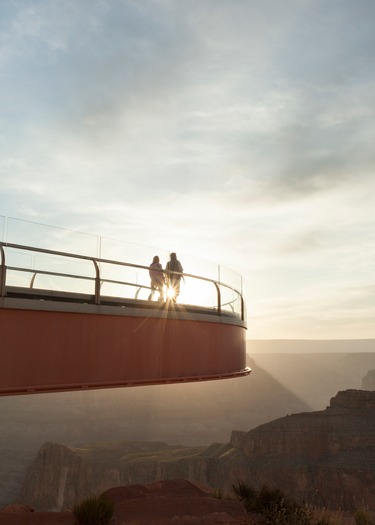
<point>325,457</point>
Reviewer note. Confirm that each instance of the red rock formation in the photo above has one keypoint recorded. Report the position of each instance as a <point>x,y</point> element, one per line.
<point>178,502</point>
<point>17,508</point>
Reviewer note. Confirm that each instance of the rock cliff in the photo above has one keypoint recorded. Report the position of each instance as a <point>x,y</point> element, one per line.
<point>368,382</point>
<point>325,457</point>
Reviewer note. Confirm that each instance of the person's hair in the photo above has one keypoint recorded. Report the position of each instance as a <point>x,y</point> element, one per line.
<point>173,255</point>
<point>155,259</point>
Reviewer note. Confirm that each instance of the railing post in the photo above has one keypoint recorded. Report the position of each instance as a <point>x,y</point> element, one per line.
<point>97,282</point>
<point>2,272</point>
<point>32,280</point>
<point>243,305</point>
<point>218,298</point>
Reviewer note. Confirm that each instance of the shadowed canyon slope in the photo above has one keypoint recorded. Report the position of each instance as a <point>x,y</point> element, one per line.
<point>325,457</point>
<point>193,413</point>
<point>315,370</point>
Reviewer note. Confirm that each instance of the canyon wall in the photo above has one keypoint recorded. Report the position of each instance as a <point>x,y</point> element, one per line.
<point>325,457</point>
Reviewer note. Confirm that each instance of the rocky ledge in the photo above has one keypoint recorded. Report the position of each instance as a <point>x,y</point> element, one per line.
<point>177,502</point>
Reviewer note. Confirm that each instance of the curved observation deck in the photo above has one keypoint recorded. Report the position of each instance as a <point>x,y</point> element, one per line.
<point>73,322</point>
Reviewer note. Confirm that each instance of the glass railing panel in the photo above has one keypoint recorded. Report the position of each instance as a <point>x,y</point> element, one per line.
<point>23,261</point>
<point>124,273</point>
<point>124,281</point>
<point>58,283</point>
<point>120,291</point>
<point>61,264</point>
<point>196,266</point>
<point>18,258</point>
<point>143,255</point>
<point>198,292</point>
<point>43,272</point>
<point>230,301</point>
<point>79,274</point>
<point>127,252</point>
<point>230,277</point>
<point>49,237</point>
<point>18,278</point>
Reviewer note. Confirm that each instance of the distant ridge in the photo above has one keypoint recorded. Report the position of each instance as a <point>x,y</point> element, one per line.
<point>299,346</point>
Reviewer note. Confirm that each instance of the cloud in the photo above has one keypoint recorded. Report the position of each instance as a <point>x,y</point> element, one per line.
<point>242,131</point>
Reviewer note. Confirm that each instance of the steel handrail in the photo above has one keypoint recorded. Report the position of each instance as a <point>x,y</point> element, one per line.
<point>96,261</point>
<point>110,261</point>
<point>73,276</point>
<point>2,271</point>
<point>45,272</point>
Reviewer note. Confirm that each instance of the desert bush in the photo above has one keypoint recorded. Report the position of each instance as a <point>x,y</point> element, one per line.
<point>273,504</point>
<point>277,507</point>
<point>247,495</point>
<point>279,510</point>
<point>323,520</point>
<point>219,493</point>
<point>363,516</point>
<point>96,510</point>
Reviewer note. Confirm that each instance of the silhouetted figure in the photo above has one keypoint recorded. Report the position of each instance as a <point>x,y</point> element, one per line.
<point>157,279</point>
<point>174,279</point>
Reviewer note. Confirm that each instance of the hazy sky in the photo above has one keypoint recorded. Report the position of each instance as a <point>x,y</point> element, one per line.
<point>240,131</point>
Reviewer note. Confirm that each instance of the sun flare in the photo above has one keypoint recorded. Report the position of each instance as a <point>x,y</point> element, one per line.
<point>170,293</point>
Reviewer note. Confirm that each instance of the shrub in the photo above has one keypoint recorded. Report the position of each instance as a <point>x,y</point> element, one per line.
<point>273,499</point>
<point>247,495</point>
<point>363,517</point>
<point>272,503</point>
<point>96,510</point>
<point>277,508</point>
<point>282,510</point>
<point>323,520</point>
<point>218,493</point>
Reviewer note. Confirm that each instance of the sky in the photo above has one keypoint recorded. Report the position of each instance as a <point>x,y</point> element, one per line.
<point>238,131</point>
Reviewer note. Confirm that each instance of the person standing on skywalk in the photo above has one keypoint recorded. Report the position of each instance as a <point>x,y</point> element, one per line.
<point>157,279</point>
<point>173,279</point>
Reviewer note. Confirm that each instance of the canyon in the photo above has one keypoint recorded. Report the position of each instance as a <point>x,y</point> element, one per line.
<point>209,415</point>
<point>324,457</point>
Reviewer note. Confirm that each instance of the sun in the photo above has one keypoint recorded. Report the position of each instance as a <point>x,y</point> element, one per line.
<point>170,293</point>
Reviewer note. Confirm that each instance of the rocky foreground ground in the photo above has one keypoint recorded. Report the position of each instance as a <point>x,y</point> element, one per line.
<point>177,502</point>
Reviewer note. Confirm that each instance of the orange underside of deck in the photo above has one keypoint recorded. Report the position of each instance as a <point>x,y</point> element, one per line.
<point>47,351</point>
